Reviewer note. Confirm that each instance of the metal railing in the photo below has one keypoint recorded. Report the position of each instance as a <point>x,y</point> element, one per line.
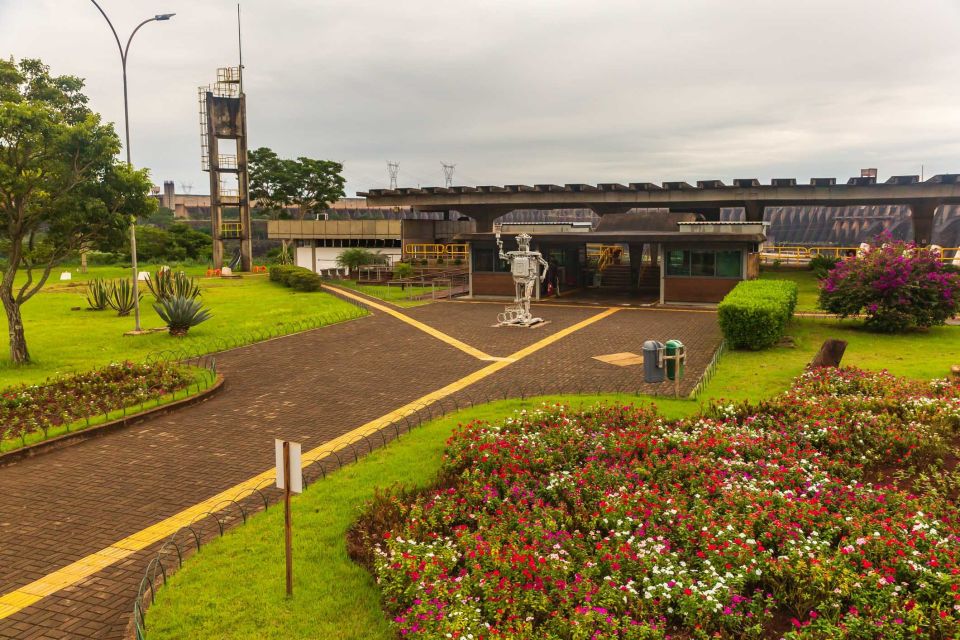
<point>230,229</point>
<point>428,250</point>
<point>800,255</point>
<point>444,285</point>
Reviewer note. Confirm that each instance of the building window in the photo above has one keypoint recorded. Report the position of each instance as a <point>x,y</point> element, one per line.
<point>483,259</point>
<point>729,264</point>
<point>703,263</point>
<point>700,263</point>
<point>678,263</point>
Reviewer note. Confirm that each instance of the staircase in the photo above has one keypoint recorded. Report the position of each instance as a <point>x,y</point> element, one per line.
<point>649,279</point>
<point>616,276</point>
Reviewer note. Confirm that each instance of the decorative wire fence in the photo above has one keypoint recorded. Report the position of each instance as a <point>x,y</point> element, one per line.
<point>318,464</point>
<point>198,354</point>
<point>95,416</point>
<point>709,372</point>
<point>225,343</point>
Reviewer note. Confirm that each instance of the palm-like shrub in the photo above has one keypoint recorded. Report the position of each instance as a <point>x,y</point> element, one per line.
<point>358,256</point>
<point>98,294</point>
<point>402,270</point>
<point>180,313</point>
<point>121,296</point>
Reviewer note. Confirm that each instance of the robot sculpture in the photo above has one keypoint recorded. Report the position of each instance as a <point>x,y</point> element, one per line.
<point>525,265</point>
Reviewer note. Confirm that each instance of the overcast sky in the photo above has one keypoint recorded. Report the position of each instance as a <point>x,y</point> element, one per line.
<point>530,91</point>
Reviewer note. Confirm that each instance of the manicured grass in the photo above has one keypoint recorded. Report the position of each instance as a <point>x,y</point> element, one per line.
<point>753,375</point>
<point>202,379</point>
<point>63,341</point>
<point>392,293</point>
<point>806,286</point>
<point>234,588</point>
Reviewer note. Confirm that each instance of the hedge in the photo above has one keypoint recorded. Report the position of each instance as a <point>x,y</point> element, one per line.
<point>755,314</point>
<point>298,278</point>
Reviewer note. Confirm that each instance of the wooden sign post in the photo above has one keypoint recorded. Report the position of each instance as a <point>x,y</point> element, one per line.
<point>289,479</point>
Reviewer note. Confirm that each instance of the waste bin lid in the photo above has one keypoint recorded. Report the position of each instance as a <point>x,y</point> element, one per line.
<point>652,344</point>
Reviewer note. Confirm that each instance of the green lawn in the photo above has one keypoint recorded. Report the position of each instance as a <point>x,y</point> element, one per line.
<point>393,293</point>
<point>62,341</point>
<point>806,285</point>
<point>234,587</point>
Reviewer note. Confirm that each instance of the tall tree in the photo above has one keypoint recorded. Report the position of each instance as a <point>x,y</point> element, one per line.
<point>270,181</point>
<point>317,184</point>
<point>277,183</point>
<point>61,188</point>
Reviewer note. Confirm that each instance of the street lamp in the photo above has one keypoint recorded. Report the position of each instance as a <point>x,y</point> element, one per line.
<point>126,122</point>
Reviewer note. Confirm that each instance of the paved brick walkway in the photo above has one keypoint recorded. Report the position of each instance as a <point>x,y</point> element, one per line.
<point>311,387</point>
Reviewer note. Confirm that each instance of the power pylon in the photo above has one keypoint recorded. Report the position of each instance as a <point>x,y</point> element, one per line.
<point>394,169</point>
<point>448,174</point>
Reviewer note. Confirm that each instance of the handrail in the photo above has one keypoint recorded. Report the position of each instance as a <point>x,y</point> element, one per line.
<point>799,254</point>
<point>435,250</point>
<point>608,255</point>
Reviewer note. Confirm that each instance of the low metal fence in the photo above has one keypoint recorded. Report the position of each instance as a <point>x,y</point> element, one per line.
<point>801,254</point>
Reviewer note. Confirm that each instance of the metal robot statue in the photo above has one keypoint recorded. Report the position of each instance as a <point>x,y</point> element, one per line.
<point>525,265</point>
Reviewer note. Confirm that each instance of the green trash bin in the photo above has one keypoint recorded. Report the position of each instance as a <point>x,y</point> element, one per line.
<point>673,347</point>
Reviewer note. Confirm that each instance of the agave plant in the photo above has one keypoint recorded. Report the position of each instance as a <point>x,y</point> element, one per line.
<point>166,284</point>
<point>98,294</point>
<point>181,313</point>
<point>161,284</point>
<point>184,286</point>
<point>121,296</point>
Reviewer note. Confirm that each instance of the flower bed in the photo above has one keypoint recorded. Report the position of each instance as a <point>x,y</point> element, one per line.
<point>748,522</point>
<point>38,408</point>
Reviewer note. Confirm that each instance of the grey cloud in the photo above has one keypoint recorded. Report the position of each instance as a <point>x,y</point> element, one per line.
<point>532,90</point>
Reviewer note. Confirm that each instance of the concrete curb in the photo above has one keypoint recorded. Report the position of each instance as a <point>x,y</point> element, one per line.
<point>67,439</point>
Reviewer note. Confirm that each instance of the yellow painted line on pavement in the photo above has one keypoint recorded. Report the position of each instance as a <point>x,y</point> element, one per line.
<point>83,568</point>
<point>439,335</point>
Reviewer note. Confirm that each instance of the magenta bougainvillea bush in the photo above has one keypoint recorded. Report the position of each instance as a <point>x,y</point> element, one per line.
<point>32,408</point>
<point>795,518</point>
<point>895,284</point>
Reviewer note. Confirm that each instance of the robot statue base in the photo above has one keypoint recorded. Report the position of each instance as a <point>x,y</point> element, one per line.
<point>525,268</point>
<point>516,316</point>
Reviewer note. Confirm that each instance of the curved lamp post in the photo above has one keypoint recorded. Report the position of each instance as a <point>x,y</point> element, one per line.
<point>126,122</point>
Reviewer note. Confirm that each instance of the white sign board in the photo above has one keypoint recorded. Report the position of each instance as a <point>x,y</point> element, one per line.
<point>296,477</point>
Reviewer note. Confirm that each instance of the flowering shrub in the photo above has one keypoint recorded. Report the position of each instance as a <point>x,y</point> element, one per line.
<point>746,522</point>
<point>896,284</point>
<point>33,408</point>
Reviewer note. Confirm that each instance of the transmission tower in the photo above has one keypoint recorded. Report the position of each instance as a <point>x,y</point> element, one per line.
<point>448,173</point>
<point>186,187</point>
<point>394,169</point>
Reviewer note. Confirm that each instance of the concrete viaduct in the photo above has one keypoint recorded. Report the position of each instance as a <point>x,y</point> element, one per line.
<point>487,203</point>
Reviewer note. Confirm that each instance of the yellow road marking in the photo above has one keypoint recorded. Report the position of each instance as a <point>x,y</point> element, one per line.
<point>439,335</point>
<point>75,572</point>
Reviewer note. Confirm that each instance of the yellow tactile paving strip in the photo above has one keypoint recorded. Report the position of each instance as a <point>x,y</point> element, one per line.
<point>83,568</point>
<point>439,335</point>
